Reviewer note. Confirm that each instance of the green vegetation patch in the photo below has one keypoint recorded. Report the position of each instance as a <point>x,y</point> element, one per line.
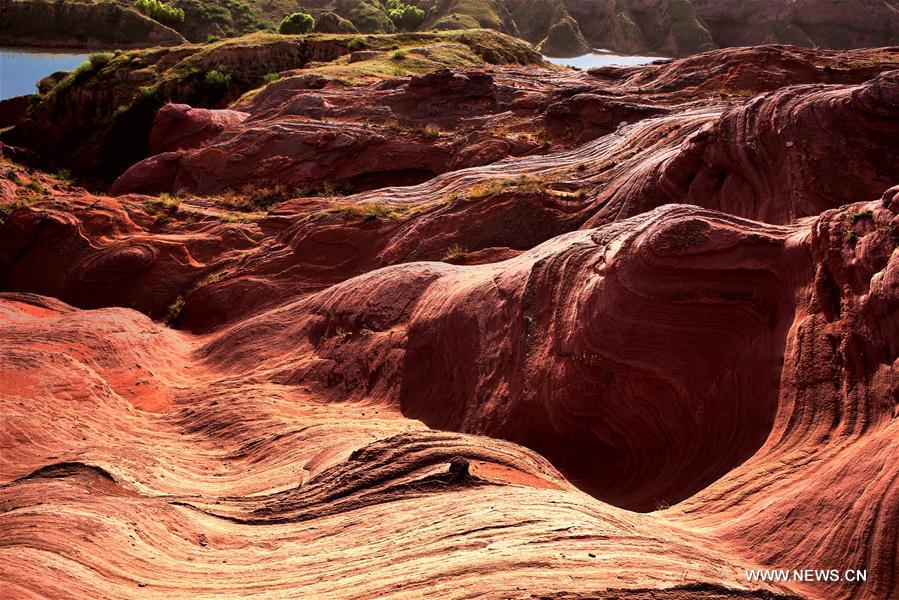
<point>160,11</point>
<point>298,22</point>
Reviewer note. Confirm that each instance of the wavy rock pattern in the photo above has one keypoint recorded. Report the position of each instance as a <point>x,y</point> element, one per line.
<point>659,351</point>
<point>562,366</point>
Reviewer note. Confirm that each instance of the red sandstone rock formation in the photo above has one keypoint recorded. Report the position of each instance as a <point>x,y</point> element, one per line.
<point>633,361</point>
<point>305,132</point>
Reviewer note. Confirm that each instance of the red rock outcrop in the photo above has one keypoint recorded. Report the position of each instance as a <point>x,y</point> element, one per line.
<point>178,126</point>
<point>306,132</point>
<point>203,489</point>
<point>12,109</point>
<point>641,357</point>
<point>188,490</point>
<point>564,366</point>
<point>780,156</point>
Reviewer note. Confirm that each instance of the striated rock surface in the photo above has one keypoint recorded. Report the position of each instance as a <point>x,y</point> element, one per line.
<point>731,164</point>
<point>400,133</point>
<point>627,333</point>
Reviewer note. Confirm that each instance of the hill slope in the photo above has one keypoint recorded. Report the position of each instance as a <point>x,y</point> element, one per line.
<point>559,27</point>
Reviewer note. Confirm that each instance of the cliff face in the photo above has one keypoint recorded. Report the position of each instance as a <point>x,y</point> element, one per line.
<point>680,27</point>
<point>80,25</point>
<point>825,23</point>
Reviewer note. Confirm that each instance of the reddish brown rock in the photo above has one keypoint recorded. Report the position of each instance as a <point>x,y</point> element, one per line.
<point>179,127</point>
<point>408,390</point>
<point>294,137</point>
<point>12,109</point>
<point>781,156</point>
<point>537,329</point>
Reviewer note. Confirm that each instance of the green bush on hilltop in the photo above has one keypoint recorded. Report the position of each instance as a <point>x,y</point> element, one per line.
<point>98,60</point>
<point>357,44</point>
<point>297,23</point>
<point>405,17</point>
<point>369,16</point>
<point>159,11</point>
<point>223,18</point>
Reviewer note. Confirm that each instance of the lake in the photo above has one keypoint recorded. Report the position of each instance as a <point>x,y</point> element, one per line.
<point>603,59</point>
<point>22,68</point>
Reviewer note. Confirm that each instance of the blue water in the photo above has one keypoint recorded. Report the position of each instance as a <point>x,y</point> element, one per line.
<point>603,59</point>
<point>22,68</point>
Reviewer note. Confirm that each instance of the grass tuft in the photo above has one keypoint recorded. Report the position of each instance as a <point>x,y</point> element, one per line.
<point>860,216</point>
<point>455,253</point>
<point>163,204</point>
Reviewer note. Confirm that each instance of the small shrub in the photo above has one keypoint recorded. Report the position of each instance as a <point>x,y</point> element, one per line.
<point>377,211</point>
<point>859,216</point>
<point>404,16</point>
<point>210,39</point>
<point>297,23</point>
<point>483,190</point>
<point>370,211</point>
<point>232,218</point>
<point>851,237</point>
<point>63,175</point>
<point>160,11</point>
<point>163,204</point>
<point>271,78</point>
<point>82,70</point>
<point>455,253</point>
<point>147,92</point>
<point>357,44</point>
<point>430,131</point>
<point>98,60</point>
<point>174,310</point>
<point>218,79</point>
<point>331,189</point>
<point>398,55</point>
<point>251,198</point>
